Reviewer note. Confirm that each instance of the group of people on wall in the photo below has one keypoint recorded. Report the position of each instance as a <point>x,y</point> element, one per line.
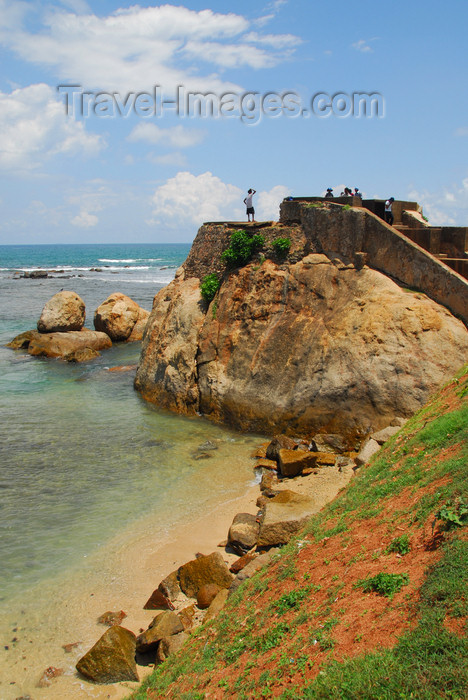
<point>348,192</point>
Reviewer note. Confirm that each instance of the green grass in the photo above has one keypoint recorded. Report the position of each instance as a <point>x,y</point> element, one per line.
<point>383,584</point>
<point>427,663</point>
<point>400,545</point>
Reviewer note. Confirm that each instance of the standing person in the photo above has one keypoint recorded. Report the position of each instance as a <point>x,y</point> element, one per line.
<point>388,211</point>
<point>329,194</point>
<point>249,205</point>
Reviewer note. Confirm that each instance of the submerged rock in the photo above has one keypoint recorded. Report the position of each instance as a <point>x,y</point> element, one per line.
<point>62,345</point>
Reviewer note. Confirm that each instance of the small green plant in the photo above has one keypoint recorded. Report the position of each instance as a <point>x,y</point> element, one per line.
<point>281,246</point>
<point>209,286</point>
<point>400,545</point>
<point>242,247</point>
<point>383,584</point>
<point>291,600</point>
<point>453,513</point>
<point>346,207</point>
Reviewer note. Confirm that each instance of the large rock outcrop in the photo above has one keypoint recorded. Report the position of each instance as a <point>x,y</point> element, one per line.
<point>65,311</point>
<point>311,344</point>
<point>121,318</point>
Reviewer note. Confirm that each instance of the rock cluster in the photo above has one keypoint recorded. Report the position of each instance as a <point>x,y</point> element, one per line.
<point>61,333</point>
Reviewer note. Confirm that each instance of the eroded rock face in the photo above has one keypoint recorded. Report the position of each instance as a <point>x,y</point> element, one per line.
<point>299,348</point>
<point>65,311</point>
<point>121,318</point>
<point>112,658</point>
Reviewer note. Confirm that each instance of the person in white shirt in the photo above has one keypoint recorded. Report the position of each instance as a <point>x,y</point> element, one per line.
<point>388,211</point>
<point>249,205</point>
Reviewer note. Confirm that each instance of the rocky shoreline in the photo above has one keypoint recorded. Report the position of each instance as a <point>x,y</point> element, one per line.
<point>296,479</point>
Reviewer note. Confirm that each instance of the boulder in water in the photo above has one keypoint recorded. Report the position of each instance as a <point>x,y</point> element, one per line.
<point>65,311</point>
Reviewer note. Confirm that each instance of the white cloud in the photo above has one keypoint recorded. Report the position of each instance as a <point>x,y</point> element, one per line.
<point>195,199</point>
<point>278,41</point>
<point>462,131</point>
<point>34,127</point>
<point>187,198</point>
<point>138,47</point>
<point>85,220</point>
<point>448,207</point>
<point>176,136</point>
<point>363,46</point>
<point>268,203</point>
<point>175,160</point>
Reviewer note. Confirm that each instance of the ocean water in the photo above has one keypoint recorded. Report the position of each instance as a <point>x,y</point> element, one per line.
<point>82,455</point>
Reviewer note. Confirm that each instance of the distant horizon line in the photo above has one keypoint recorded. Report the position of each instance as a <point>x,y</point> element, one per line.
<point>15,245</point>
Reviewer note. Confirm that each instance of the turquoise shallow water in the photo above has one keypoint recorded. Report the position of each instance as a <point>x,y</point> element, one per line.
<point>81,455</point>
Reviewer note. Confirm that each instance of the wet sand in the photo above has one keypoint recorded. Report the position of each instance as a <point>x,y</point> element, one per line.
<point>119,577</point>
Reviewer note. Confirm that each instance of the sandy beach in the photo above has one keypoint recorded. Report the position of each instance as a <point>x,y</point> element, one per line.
<point>121,577</point>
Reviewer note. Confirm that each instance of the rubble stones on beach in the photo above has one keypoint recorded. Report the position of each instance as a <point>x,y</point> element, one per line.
<point>207,594</point>
<point>283,517</point>
<point>292,462</point>
<point>163,625</point>
<point>170,645</point>
<point>110,618</point>
<point>112,658</point>
<point>279,442</point>
<point>65,311</point>
<point>367,451</point>
<point>205,569</point>
<point>170,587</point>
<point>158,601</point>
<point>217,605</point>
<point>121,318</point>
<point>243,533</point>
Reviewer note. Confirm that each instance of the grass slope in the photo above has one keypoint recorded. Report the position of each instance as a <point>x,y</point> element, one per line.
<point>370,601</point>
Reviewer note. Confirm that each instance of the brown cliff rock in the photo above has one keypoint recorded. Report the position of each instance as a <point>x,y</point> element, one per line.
<point>302,347</point>
<point>121,318</point>
<point>65,311</point>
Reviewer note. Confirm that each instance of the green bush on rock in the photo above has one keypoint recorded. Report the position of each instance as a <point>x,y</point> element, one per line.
<point>242,248</point>
<point>281,247</point>
<point>209,286</point>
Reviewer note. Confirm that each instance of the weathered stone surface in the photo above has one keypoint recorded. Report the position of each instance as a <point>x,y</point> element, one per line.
<point>385,434</point>
<point>110,618</point>
<point>163,625</point>
<point>304,347</point>
<point>205,569</point>
<point>187,616</point>
<point>22,340</point>
<point>82,355</point>
<point>329,442</point>
<point>283,517</point>
<point>268,481</point>
<point>65,311</point>
<point>170,645</point>
<point>399,421</point>
<point>169,586</point>
<point>158,601</point>
<point>249,570</point>
<point>279,442</point>
<point>207,594</point>
<point>243,533</point>
<point>139,327</point>
<point>324,459</point>
<point>111,659</point>
<point>64,344</point>
<point>217,604</point>
<point>118,315</point>
<point>168,374</point>
<point>239,564</point>
<point>266,464</point>
<point>292,462</point>
<point>367,451</point>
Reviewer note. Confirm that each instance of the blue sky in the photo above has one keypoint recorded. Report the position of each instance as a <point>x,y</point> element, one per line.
<point>156,178</point>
